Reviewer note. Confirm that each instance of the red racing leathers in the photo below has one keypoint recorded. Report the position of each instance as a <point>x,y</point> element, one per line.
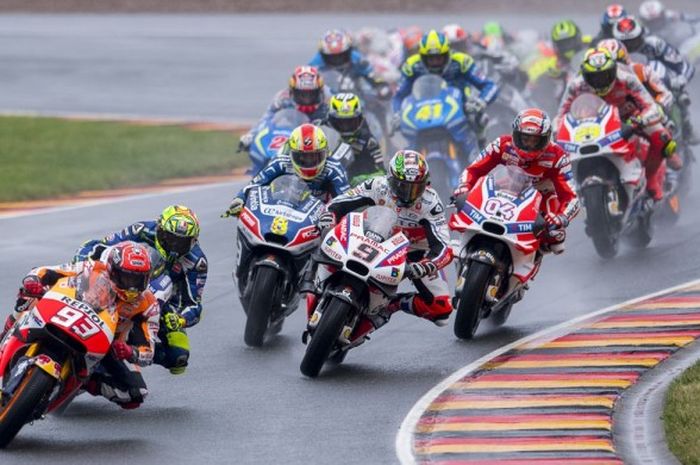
<point>633,102</point>
<point>551,169</point>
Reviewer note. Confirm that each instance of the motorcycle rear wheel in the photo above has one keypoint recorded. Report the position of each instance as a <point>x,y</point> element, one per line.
<point>598,222</point>
<point>262,300</point>
<point>325,337</point>
<point>472,300</point>
<point>19,409</point>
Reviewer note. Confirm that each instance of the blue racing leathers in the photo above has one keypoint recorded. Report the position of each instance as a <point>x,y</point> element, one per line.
<point>360,67</point>
<point>461,72</point>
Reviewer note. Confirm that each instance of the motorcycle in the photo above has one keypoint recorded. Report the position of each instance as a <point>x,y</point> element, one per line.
<point>276,234</point>
<point>271,135</point>
<point>53,349</point>
<point>362,262</point>
<point>610,179</point>
<point>497,255</point>
<point>434,123</point>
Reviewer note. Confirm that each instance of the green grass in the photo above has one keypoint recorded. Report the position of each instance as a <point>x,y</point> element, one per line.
<point>682,416</point>
<point>49,157</point>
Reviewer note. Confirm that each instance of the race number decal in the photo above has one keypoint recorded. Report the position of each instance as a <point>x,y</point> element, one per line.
<point>76,321</point>
<point>428,112</point>
<point>277,142</point>
<point>494,206</point>
<point>365,252</point>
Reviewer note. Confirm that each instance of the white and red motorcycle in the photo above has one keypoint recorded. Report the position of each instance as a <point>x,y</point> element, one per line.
<point>362,262</point>
<point>501,228</point>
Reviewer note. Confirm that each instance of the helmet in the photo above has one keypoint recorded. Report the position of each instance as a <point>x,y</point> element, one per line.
<point>612,13</point>
<point>411,37</point>
<point>566,38</point>
<point>306,88</point>
<point>653,13</point>
<point>177,231</point>
<point>630,32</point>
<point>408,176</point>
<point>493,36</point>
<point>457,37</point>
<point>532,130</point>
<point>129,266</point>
<point>599,70</point>
<point>617,49</point>
<point>308,150</point>
<point>434,50</point>
<point>336,48</point>
<point>345,113</point>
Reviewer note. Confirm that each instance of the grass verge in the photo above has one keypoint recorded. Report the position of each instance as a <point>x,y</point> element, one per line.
<point>682,416</point>
<point>50,157</point>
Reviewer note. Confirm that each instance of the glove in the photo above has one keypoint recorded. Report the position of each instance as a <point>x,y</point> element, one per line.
<point>475,105</point>
<point>461,191</point>
<point>173,321</point>
<point>678,82</point>
<point>556,221</point>
<point>122,350</point>
<point>636,121</point>
<point>383,91</point>
<point>32,287</point>
<point>235,208</point>
<point>326,221</point>
<point>245,142</point>
<point>421,269</point>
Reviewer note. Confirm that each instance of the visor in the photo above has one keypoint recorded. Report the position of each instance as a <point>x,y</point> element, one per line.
<point>129,281</point>
<point>336,59</point>
<point>407,192</point>
<point>346,126</point>
<point>306,96</point>
<point>600,80</point>
<point>530,142</point>
<point>173,243</point>
<point>435,63</point>
<point>308,159</point>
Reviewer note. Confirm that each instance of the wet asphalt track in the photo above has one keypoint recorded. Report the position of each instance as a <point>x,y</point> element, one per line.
<point>234,404</point>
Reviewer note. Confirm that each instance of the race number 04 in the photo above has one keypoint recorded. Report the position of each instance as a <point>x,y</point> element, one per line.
<point>494,206</point>
<point>76,321</point>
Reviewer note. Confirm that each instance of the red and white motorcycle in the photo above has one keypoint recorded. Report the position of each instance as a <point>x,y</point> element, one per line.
<point>500,229</point>
<point>362,262</point>
<point>607,164</point>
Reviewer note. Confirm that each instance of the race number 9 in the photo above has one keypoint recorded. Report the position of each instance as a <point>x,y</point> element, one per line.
<point>366,252</point>
<point>76,321</point>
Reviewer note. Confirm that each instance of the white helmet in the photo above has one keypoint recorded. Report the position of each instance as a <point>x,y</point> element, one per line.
<point>653,13</point>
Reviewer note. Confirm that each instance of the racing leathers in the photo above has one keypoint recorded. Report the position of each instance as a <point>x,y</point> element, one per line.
<point>188,274</point>
<point>461,72</point>
<point>118,380</point>
<point>425,225</point>
<point>552,174</point>
<point>638,106</point>
<point>359,67</point>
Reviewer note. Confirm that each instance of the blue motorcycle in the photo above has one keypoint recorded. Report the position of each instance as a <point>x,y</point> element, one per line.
<point>276,235</point>
<point>271,135</point>
<point>434,123</point>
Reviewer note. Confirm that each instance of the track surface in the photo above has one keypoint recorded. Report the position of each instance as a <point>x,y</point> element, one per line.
<point>237,405</point>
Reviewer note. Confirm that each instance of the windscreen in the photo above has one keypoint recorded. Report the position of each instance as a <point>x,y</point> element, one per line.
<point>427,87</point>
<point>379,223</point>
<point>289,118</point>
<point>511,179</point>
<point>289,188</point>
<point>586,106</point>
<point>95,289</point>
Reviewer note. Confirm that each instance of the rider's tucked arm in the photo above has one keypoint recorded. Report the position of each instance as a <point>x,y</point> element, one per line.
<point>488,89</point>
<point>337,178</point>
<point>671,57</point>
<point>354,199</point>
<point>192,291</point>
<point>274,169</point>
<point>144,332</point>
<point>438,236</point>
<point>562,178</point>
<point>405,83</point>
<point>93,249</point>
<point>488,159</point>
<point>573,90</point>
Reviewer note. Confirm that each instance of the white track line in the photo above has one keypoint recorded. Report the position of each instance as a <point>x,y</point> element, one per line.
<point>404,438</point>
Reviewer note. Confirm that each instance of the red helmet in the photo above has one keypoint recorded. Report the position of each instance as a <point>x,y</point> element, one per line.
<point>306,88</point>
<point>411,37</point>
<point>129,266</point>
<point>532,130</point>
<point>630,32</point>
<point>336,48</point>
<point>458,37</point>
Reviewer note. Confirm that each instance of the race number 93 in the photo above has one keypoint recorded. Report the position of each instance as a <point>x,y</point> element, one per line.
<point>76,321</point>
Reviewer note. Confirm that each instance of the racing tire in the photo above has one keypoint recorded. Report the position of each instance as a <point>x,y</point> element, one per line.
<point>262,300</point>
<point>20,408</point>
<point>471,301</point>
<point>324,337</point>
<point>598,223</point>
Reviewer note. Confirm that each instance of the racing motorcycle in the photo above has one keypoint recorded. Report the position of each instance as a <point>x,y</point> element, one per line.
<point>610,178</point>
<point>276,234</point>
<point>53,349</point>
<point>497,255</point>
<point>362,262</point>
<point>271,135</point>
<point>433,122</point>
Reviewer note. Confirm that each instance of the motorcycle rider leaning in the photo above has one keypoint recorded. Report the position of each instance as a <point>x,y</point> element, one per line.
<point>613,13</point>
<point>530,148</point>
<point>128,269</point>
<point>620,87</point>
<point>421,217</point>
<point>174,235</point>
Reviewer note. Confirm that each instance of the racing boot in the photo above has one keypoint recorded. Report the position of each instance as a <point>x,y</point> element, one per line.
<point>438,311</point>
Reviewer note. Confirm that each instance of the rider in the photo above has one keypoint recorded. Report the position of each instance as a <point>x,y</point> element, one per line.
<point>458,38</point>
<point>620,87</point>
<point>128,268</point>
<point>613,13</point>
<point>306,155</point>
<point>567,41</point>
<point>335,51</point>
<point>345,116</point>
<point>631,33</point>
<point>457,69</point>
<point>174,235</point>
<point>421,217</point>
<point>530,148</point>
<point>657,17</point>
<point>306,93</point>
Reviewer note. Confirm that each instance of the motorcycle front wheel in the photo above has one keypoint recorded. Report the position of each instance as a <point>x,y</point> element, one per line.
<point>472,299</point>
<point>19,409</point>
<point>598,221</point>
<point>324,337</point>
<point>262,300</point>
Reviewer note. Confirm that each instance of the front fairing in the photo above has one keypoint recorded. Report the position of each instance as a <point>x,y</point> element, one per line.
<point>443,111</point>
